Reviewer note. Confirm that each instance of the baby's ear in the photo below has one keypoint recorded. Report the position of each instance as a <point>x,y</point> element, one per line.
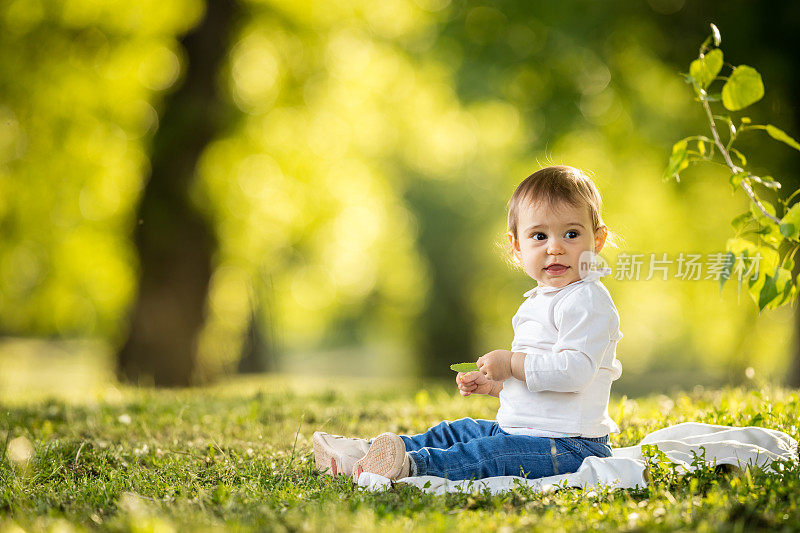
<point>513,241</point>
<point>600,238</point>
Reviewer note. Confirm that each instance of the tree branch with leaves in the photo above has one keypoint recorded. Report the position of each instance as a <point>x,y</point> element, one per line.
<point>762,236</point>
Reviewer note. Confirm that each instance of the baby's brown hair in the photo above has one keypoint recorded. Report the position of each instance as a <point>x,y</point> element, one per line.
<point>553,185</point>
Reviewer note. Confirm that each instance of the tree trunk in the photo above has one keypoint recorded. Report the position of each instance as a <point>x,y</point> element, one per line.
<point>445,329</point>
<point>174,240</point>
<point>259,348</point>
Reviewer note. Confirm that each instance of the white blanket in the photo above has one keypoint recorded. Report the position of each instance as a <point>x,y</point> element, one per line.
<point>739,447</point>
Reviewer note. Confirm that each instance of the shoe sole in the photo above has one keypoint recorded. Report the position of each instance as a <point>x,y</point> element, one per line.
<point>385,457</point>
<point>325,457</point>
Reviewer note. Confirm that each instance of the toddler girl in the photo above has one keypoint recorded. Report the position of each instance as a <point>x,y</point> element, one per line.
<point>553,384</point>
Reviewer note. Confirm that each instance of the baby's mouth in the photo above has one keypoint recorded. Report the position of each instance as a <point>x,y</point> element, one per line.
<point>556,269</point>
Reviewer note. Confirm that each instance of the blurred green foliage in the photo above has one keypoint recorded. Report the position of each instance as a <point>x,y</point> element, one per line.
<point>360,197</point>
<point>79,86</point>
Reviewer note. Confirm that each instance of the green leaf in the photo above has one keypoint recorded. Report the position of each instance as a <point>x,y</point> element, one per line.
<point>762,259</point>
<point>789,292</point>
<point>736,179</point>
<point>774,291</point>
<point>788,263</point>
<point>768,293</point>
<point>738,246</point>
<point>677,161</point>
<point>764,229</point>
<point>740,221</point>
<point>741,250</point>
<point>781,276</point>
<point>789,231</point>
<point>744,87</point>
<point>740,155</point>
<point>704,69</point>
<point>769,234</point>
<point>780,135</point>
<point>464,367</point>
<point>769,257</point>
<point>790,223</point>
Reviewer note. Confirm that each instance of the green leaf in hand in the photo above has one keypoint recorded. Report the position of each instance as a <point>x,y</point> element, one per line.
<point>744,87</point>
<point>464,367</point>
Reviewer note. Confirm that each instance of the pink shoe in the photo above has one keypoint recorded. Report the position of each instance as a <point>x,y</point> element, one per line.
<point>335,454</point>
<point>387,457</point>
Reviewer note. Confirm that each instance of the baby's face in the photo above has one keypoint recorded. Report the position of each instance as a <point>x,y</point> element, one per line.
<point>551,239</point>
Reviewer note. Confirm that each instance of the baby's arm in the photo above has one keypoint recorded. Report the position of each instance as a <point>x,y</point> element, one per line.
<point>477,383</point>
<point>588,328</point>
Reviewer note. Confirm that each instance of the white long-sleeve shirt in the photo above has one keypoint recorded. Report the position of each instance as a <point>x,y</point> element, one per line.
<point>569,335</point>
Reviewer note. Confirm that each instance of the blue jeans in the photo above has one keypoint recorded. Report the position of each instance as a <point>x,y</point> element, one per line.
<point>475,449</point>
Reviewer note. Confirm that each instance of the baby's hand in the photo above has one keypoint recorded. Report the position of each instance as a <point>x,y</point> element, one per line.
<point>496,365</point>
<point>473,383</point>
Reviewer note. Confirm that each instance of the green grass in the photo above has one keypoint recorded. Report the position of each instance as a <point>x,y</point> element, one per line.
<point>237,457</point>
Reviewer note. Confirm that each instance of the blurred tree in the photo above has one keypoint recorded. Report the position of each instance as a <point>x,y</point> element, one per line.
<point>447,323</point>
<point>79,84</point>
<point>173,238</point>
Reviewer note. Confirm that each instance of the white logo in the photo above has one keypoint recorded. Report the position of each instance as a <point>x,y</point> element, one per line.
<point>590,261</point>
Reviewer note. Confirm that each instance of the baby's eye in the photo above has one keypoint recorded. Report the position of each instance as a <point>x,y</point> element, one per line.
<point>573,233</point>
<point>538,236</point>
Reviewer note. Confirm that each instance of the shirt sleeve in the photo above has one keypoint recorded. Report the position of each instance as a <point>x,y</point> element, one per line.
<point>586,330</point>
